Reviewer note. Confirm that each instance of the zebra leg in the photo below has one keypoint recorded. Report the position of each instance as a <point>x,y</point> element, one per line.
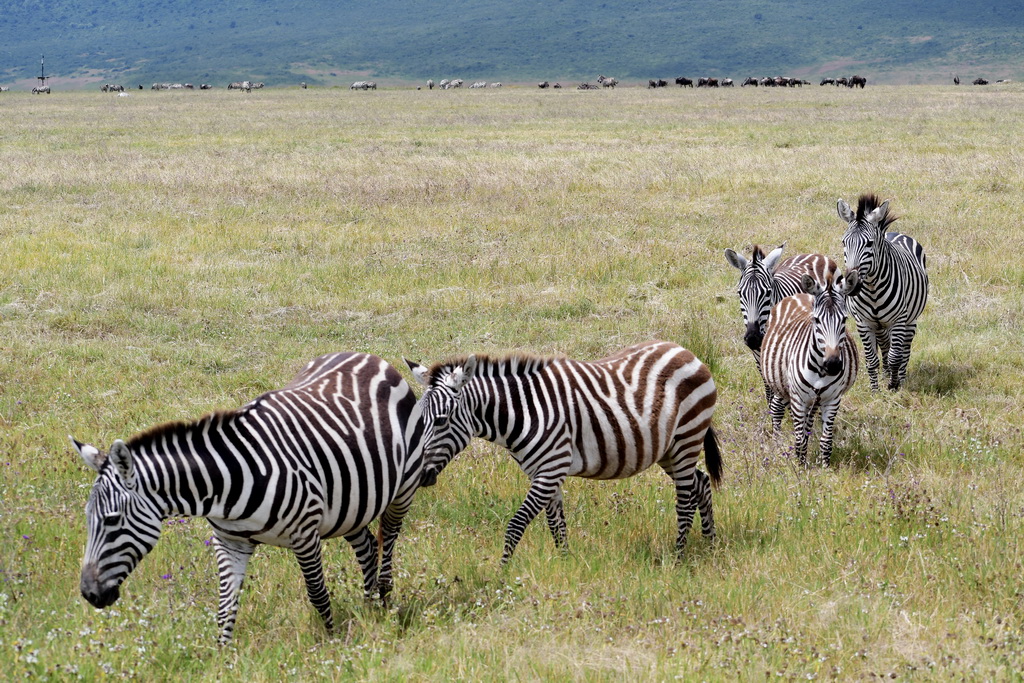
<point>777,408</point>
<point>828,419</point>
<point>767,389</point>
<point>870,342</point>
<point>556,519</point>
<point>899,353</point>
<point>365,545</point>
<point>803,423</point>
<point>542,489</point>
<point>681,466</point>
<point>702,492</point>
<point>307,551</point>
<point>391,526</point>
<point>232,559</point>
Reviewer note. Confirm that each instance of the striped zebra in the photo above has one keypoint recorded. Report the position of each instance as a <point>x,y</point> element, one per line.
<point>336,448</point>
<point>892,289</point>
<point>765,282</point>
<point>608,419</point>
<point>810,359</point>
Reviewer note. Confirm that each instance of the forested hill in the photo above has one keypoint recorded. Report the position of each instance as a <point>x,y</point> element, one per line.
<point>281,42</point>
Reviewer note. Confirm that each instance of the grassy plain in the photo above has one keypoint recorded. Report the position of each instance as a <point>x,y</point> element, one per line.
<point>167,254</point>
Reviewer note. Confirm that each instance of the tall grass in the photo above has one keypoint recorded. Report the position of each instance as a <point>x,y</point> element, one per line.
<point>167,254</point>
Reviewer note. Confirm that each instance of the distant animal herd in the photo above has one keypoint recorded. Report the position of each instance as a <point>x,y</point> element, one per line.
<point>855,81</point>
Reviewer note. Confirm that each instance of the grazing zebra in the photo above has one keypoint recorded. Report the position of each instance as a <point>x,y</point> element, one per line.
<point>810,359</point>
<point>608,419</point>
<point>479,84</point>
<point>765,282</point>
<point>496,84</point>
<point>892,290</point>
<point>430,84</point>
<point>543,84</point>
<point>41,90</point>
<point>749,81</point>
<point>335,449</point>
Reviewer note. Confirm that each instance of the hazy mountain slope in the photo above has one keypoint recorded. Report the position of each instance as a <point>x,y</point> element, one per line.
<point>282,42</point>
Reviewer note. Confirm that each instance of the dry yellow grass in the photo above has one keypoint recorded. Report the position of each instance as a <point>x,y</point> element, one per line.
<point>166,254</point>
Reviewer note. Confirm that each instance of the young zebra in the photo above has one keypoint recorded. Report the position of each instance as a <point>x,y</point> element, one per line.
<point>810,359</point>
<point>608,419</point>
<point>893,287</point>
<point>323,457</point>
<point>765,282</point>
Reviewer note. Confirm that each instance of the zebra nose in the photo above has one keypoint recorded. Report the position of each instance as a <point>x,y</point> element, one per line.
<point>100,597</point>
<point>429,477</point>
<point>833,366</point>
<point>753,337</point>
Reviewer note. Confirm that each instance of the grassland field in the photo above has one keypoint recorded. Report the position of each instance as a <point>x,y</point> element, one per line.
<point>171,253</point>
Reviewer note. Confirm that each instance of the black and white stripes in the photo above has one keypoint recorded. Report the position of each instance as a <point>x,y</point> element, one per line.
<point>337,448</point>
<point>607,419</point>
<point>892,288</point>
<point>765,282</point>
<point>809,359</point>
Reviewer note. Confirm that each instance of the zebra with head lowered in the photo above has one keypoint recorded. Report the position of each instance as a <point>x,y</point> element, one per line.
<point>607,419</point>
<point>892,289</point>
<point>810,359</point>
<point>765,282</point>
<point>336,448</point>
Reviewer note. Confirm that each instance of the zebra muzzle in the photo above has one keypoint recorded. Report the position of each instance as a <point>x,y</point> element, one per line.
<point>100,597</point>
<point>429,477</point>
<point>753,337</point>
<point>833,366</point>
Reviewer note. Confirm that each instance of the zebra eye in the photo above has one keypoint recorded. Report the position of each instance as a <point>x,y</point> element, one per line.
<point>440,420</point>
<point>112,518</point>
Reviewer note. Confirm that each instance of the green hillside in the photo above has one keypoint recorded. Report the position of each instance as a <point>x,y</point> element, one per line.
<point>140,41</point>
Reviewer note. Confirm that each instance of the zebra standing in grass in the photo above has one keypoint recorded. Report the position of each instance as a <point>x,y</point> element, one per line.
<point>323,457</point>
<point>765,282</point>
<point>810,359</point>
<point>608,419</point>
<point>892,287</point>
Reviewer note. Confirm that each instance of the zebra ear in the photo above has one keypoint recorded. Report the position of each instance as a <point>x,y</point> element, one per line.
<point>772,259</point>
<point>90,454</point>
<point>847,284</point>
<point>461,375</point>
<point>809,284</point>
<point>420,372</point>
<point>879,214</point>
<point>845,212</point>
<point>735,260</point>
<point>121,457</point>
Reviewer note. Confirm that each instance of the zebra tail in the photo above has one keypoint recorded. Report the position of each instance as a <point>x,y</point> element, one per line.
<point>713,456</point>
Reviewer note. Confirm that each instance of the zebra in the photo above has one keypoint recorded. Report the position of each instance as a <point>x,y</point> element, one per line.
<point>41,90</point>
<point>338,447</point>
<point>892,290</point>
<point>810,359</point>
<point>609,419</point>
<point>430,84</point>
<point>765,282</point>
<point>496,84</point>
<point>607,81</point>
<point>479,84</point>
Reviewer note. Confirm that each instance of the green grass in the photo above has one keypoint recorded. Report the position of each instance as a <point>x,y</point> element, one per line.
<point>166,256</point>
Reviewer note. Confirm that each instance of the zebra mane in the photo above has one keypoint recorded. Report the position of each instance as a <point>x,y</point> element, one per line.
<point>757,254</point>
<point>512,365</point>
<point>868,203</point>
<point>180,428</point>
